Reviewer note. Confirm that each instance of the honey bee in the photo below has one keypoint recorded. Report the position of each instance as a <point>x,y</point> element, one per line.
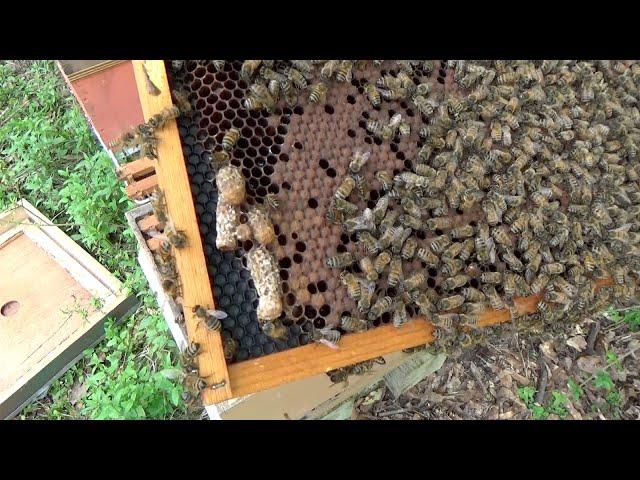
<point>438,223</point>
<point>409,248</point>
<point>373,94</point>
<point>366,265</point>
<point>465,231</point>
<point>359,161</point>
<point>353,285</point>
<point>395,272</point>
<point>502,238</point>
<point>473,295</point>
<point>619,274</point>
<point>468,246</point>
<point>326,336</point>
<point>369,241</point>
<point>159,206</point>
<point>410,221</point>
<point>484,244</point>
<point>552,268</point>
<point>449,303</point>
<point>424,304</point>
<point>346,187</point>
<point>353,324</point>
<point>494,278</point>
<point>274,329</point>
<point>363,222</point>
<point>427,257</point>
<point>230,139</point>
<point>415,281</point>
<point>189,355</point>
<point>343,71</point>
<point>229,347</point>
<point>540,282</point>
<point>514,262</point>
<point>389,219</point>
<point>494,299</point>
<point>329,68</point>
<point>177,239</point>
<point>367,289</point>
<point>262,96</point>
<point>344,206</point>
<point>399,237</point>
<point>451,266</point>
<point>385,177</point>
<point>438,244</point>
<point>194,384</point>
<point>296,77</point>
<point>381,261</point>
<point>182,101</point>
<point>453,250</point>
<point>249,69</point>
<point>457,281</point>
<point>445,320</point>
<point>289,92</point>
<point>317,93</point>
<point>381,306</point>
<point>210,317</point>
<point>387,237</point>
<point>341,260</point>
<point>271,200</point>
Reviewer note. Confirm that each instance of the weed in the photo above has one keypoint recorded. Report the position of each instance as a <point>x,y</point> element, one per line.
<point>603,380</point>
<point>575,389</point>
<point>632,318</point>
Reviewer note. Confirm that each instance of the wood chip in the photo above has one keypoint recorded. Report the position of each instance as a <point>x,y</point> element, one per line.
<point>578,342</point>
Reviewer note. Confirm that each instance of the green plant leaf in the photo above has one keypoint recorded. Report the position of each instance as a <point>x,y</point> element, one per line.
<point>575,389</point>
<point>603,380</point>
<point>527,394</point>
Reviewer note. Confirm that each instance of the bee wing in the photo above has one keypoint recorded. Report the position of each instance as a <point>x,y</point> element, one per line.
<point>491,246</point>
<point>156,234</point>
<point>369,286</point>
<point>328,343</point>
<point>172,373</point>
<point>395,120</point>
<point>367,216</point>
<point>219,314</point>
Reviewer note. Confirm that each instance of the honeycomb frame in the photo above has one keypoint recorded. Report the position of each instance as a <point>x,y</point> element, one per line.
<point>256,374</point>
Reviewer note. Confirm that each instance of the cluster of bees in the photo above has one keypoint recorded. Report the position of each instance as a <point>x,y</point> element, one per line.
<point>272,80</point>
<point>542,155</point>
<point>170,282</point>
<point>143,136</point>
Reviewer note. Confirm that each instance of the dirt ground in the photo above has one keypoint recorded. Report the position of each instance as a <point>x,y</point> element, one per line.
<point>585,371</point>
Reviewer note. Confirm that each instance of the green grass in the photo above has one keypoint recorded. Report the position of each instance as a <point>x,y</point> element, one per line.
<point>49,155</point>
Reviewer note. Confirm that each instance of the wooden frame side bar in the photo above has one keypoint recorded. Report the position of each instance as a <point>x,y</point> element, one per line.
<point>173,179</point>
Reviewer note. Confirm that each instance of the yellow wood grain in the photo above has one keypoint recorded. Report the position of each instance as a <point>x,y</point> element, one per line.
<point>150,222</point>
<point>142,188</point>
<point>174,182</point>
<point>136,169</point>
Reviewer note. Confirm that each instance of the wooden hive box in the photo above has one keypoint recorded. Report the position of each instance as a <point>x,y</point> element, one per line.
<point>256,374</point>
<point>54,300</point>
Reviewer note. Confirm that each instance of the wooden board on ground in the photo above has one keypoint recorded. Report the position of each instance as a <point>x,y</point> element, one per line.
<point>54,299</point>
